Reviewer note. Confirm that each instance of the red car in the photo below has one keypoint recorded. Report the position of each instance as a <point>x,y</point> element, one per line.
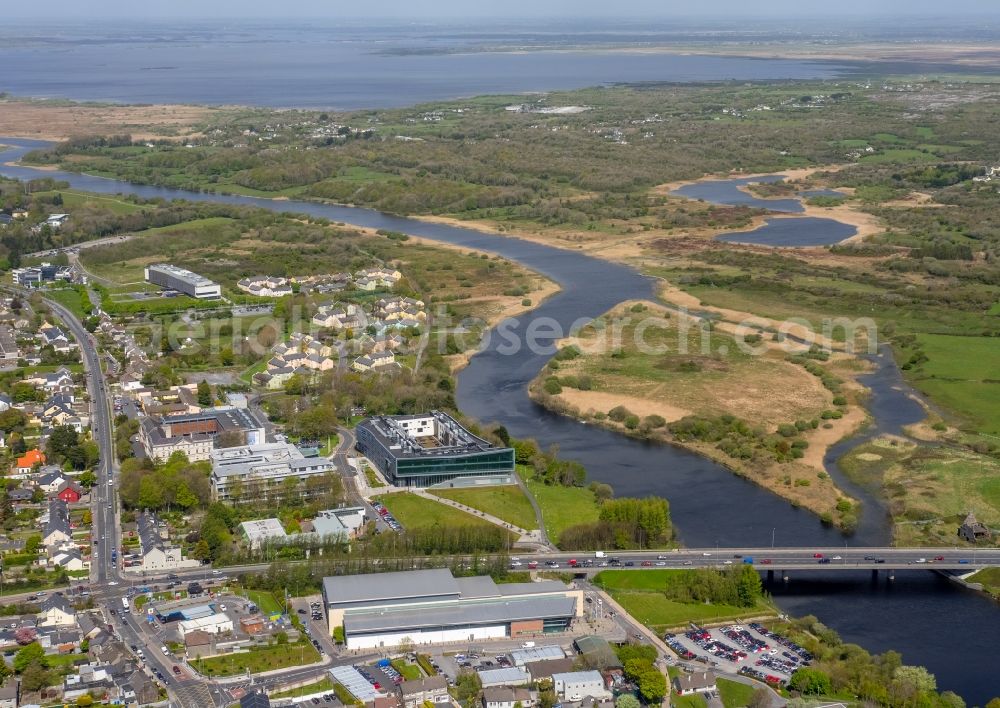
<point>766,561</point>
<point>532,565</point>
<point>177,670</point>
<point>573,562</point>
<point>817,555</point>
<point>646,564</point>
<point>939,558</point>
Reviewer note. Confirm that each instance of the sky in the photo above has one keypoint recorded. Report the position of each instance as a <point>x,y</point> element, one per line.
<point>507,9</point>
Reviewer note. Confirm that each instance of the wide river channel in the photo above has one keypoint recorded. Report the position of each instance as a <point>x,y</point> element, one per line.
<point>930,620</point>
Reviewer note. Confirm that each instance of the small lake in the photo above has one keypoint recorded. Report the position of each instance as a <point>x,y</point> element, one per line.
<point>728,192</point>
<point>799,231</point>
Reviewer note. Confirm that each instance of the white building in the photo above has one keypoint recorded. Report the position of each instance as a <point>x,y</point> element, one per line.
<point>218,623</point>
<point>183,281</point>
<point>265,472</point>
<point>577,685</point>
<point>258,532</point>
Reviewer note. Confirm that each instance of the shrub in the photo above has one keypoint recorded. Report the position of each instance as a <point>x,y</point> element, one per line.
<point>552,386</point>
<point>526,302</point>
<point>632,422</point>
<point>655,421</point>
<point>619,414</point>
<point>787,430</point>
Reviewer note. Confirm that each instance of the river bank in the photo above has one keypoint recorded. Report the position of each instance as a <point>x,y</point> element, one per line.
<point>709,505</point>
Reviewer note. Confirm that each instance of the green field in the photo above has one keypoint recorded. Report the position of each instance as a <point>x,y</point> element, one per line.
<point>640,592</point>
<point>415,512</point>
<point>264,600</point>
<point>733,694</point>
<point>507,503</point>
<point>409,672</point>
<point>257,660</point>
<point>963,375</point>
<point>563,507</point>
<point>324,684</point>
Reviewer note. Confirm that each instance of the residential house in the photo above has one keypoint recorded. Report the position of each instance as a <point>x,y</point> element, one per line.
<point>376,361</point>
<point>9,349</point>
<point>52,336</point>
<point>198,644</point>
<point>70,492</point>
<point>265,286</point>
<point>544,669</point>
<point>157,553</point>
<point>20,495</point>
<point>433,689</point>
<point>50,479</point>
<point>56,612</point>
<point>698,682</point>
<point>56,528</point>
<point>25,464</point>
<point>10,693</point>
<point>69,560</point>
<point>139,688</point>
<point>506,697</point>
<point>5,402</point>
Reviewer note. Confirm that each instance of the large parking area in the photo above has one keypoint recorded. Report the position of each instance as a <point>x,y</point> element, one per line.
<point>751,650</point>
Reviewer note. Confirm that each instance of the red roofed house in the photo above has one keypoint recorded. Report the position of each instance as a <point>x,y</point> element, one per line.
<point>70,492</point>
<point>26,462</point>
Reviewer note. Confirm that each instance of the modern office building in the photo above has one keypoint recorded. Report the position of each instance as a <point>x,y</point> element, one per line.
<point>431,449</point>
<point>432,606</point>
<point>183,281</point>
<point>195,434</point>
<point>270,472</point>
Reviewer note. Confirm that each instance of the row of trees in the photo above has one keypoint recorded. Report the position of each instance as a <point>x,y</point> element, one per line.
<point>738,586</point>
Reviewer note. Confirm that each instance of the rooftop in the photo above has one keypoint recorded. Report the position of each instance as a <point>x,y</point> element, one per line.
<point>182,273</point>
<point>371,587</point>
<point>470,613</point>
<point>425,435</point>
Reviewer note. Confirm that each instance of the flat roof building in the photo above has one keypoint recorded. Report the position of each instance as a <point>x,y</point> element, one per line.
<point>271,472</point>
<point>195,434</point>
<point>431,449</point>
<point>183,281</point>
<point>258,532</point>
<point>432,606</point>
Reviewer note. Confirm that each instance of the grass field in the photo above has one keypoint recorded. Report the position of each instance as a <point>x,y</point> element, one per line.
<point>264,600</point>
<point>640,592</point>
<point>257,660</point>
<point>929,490</point>
<point>563,507</point>
<point>962,374</point>
<point>733,694</point>
<point>507,503</point>
<point>415,512</point>
<point>324,684</point>
<point>662,366</point>
<point>409,672</point>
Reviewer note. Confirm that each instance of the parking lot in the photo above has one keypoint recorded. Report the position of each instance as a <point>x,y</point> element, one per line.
<point>751,650</point>
<point>309,610</point>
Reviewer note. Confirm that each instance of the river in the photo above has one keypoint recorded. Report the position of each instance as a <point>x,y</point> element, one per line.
<point>928,619</point>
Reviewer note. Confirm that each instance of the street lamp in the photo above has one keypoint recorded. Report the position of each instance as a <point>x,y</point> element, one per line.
<point>772,536</point>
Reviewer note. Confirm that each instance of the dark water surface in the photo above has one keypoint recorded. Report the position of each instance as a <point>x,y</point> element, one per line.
<point>931,622</point>
<point>796,231</point>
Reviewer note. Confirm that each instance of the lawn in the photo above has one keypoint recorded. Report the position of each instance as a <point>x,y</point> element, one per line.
<point>507,503</point>
<point>961,374</point>
<point>257,660</point>
<point>321,686</point>
<point>932,489</point>
<point>563,507</point>
<point>733,694</point>
<point>692,701</point>
<point>116,206</point>
<point>264,600</point>
<point>409,672</point>
<point>640,593</point>
<point>415,512</point>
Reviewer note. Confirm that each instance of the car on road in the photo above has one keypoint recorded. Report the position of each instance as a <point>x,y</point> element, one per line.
<point>766,561</point>
<point>939,558</point>
<point>706,554</point>
<point>817,555</point>
<point>647,564</point>
<point>687,562</point>
<point>727,562</point>
<point>823,560</point>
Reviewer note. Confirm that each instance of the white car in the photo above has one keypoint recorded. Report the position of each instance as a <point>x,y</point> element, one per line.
<point>728,562</point>
<point>706,554</point>
<point>836,558</point>
<point>921,560</point>
<point>515,564</point>
<point>112,582</point>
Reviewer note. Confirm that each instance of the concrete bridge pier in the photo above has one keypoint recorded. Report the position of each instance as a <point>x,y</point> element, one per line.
<point>874,575</point>
<point>770,576</point>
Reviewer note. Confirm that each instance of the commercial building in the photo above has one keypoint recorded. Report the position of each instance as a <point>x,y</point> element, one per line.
<point>218,623</point>
<point>431,449</point>
<point>44,273</point>
<point>9,350</point>
<point>577,685</point>
<point>432,606</point>
<point>183,281</point>
<point>258,532</point>
<point>270,472</point>
<point>156,550</point>
<point>195,434</point>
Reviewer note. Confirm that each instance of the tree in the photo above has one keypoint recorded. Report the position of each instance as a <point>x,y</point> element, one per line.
<point>653,686</point>
<point>28,654</point>
<point>761,698</point>
<point>35,677</point>
<point>749,588</point>
<point>808,681</point>
<point>627,700</point>
<point>204,394</point>
<point>467,687</point>
<point>88,479</point>
<point>150,493</point>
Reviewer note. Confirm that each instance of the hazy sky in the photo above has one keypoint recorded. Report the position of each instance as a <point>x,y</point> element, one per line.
<point>508,9</point>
